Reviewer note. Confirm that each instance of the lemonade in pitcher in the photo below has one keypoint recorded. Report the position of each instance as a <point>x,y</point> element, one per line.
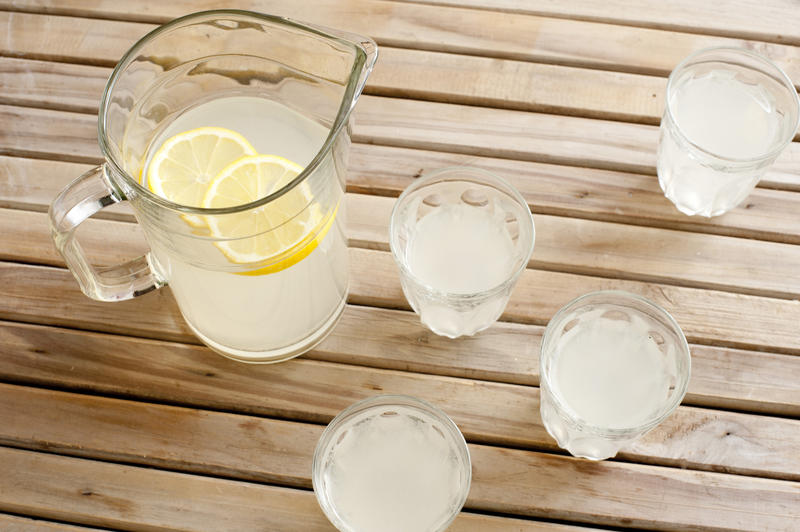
<point>227,133</point>
<point>282,268</point>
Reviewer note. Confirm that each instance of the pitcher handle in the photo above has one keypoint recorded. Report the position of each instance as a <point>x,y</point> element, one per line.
<point>78,201</point>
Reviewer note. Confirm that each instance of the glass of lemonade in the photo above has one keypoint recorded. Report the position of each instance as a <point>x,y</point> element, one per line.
<point>228,133</point>
<point>613,366</point>
<point>729,114</point>
<point>391,463</point>
<point>461,237</point>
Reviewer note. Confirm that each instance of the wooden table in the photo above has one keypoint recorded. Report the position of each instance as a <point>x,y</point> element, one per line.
<point>113,415</point>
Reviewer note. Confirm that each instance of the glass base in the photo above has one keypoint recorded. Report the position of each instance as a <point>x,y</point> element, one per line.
<point>271,356</point>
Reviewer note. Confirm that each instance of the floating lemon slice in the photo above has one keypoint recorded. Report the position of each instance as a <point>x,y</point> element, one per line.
<point>183,166</point>
<point>276,235</point>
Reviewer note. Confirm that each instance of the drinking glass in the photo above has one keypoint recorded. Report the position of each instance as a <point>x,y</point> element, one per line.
<point>202,70</point>
<point>729,114</point>
<point>613,365</point>
<point>461,237</point>
<point>391,463</point>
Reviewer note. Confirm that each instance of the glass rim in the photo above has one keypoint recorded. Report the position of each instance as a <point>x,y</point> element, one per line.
<point>361,62</point>
<point>431,178</point>
<point>381,400</point>
<point>781,77</point>
<point>683,346</point>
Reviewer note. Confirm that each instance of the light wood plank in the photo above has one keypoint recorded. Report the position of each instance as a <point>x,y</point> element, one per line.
<point>507,352</point>
<point>549,189</point>
<point>706,316</point>
<point>13,523</point>
<point>717,314</point>
<point>131,498</point>
<point>596,248</point>
<point>578,192</point>
<point>406,73</point>
<point>142,499</point>
<point>452,29</point>
<point>494,413</point>
<point>461,129</point>
<point>528,136</point>
<point>27,82</point>
<point>42,133</point>
<point>511,481</point>
<point>604,249</point>
<point>620,251</point>
<point>68,39</point>
<point>770,21</point>
<point>574,487</point>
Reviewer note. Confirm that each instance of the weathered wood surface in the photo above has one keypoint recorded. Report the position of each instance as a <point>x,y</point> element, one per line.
<point>494,413</point>
<point>486,31</point>
<point>572,480</point>
<point>114,417</point>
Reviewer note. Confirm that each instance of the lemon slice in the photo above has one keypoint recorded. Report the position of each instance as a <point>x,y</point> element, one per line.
<point>280,233</point>
<point>183,166</point>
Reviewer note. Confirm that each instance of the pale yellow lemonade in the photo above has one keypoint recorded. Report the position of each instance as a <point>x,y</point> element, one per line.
<point>240,299</point>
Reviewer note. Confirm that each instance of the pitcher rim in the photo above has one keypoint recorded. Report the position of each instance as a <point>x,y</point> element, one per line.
<point>362,62</point>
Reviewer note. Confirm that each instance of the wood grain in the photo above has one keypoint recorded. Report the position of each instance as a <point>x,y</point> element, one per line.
<point>105,494</point>
<point>69,87</point>
<point>451,29</point>
<point>154,434</point>
<point>30,242</point>
<point>527,136</point>
<point>493,413</point>
<point>578,192</point>
<point>706,316</point>
<point>549,189</point>
<point>507,352</point>
<point>13,523</point>
<point>460,129</point>
<point>769,21</point>
<point>624,251</point>
<point>597,248</point>
<point>407,73</point>
<point>511,481</point>
<point>110,495</point>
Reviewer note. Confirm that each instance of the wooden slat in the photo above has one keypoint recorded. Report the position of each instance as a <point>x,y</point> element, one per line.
<point>498,414</point>
<point>619,251</point>
<point>597,248</point>
<point>549,189</point>
<point>518,85</point>
<point>572,141</point>
<point>647,502</point>
<point>507,352</point>
<point>27,82</point>
<point>111,495</point>
<point>68,39</point>
<point>58,135</point>
<point>132,498</point>
<point>706,316</point>
<point>29,241</point>
<point>516,482</point>
<point>578,192</point>
<point>528,136</point>
<point>426,75</point>
<point>451,29</point>
<point>13,523</point>
<point>33,183</point>
<point>770,21</point>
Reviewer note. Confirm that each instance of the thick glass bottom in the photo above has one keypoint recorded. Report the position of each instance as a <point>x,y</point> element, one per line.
<point>270,356</point>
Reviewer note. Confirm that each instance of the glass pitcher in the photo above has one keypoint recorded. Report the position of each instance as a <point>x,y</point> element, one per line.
<point>289,88</point>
